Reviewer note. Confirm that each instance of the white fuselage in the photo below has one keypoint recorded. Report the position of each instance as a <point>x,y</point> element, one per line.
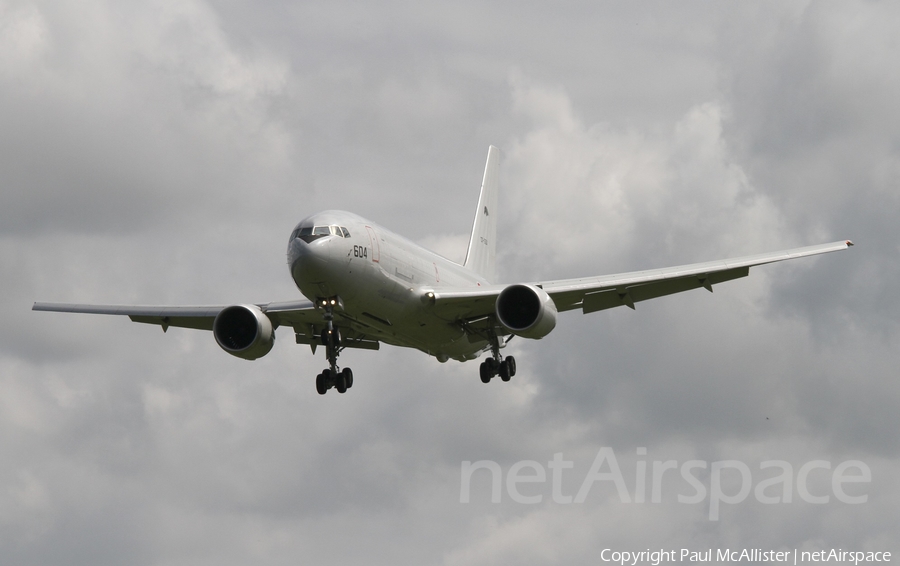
<point>382,280</point>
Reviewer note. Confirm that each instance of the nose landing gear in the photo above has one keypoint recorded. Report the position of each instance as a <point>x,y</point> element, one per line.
<point>342,380</point>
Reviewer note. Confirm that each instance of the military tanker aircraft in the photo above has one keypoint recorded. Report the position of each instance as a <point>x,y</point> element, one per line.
<point>364,286</point>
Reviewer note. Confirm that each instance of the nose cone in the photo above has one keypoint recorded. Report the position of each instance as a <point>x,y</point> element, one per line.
<point>309,261</point>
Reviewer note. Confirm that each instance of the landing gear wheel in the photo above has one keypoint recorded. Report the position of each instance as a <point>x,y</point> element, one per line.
<point>511,364</point>
<point>504,370</point>
<point>324,381</point>
<point>486,372</point>
<point>340,383</point>
<point>347,376</point>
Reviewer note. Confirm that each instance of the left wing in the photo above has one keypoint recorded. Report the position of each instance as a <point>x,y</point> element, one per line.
<point>288,313</point>
<point>306,320</point>
<point>592,294</point>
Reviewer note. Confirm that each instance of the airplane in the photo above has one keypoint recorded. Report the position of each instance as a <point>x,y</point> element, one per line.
<point>365,285</point>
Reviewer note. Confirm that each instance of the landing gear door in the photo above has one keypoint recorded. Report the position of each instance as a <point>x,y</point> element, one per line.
<point>373,239</point>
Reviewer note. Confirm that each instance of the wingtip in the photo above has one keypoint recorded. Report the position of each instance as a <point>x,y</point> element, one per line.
<point>849,243</point>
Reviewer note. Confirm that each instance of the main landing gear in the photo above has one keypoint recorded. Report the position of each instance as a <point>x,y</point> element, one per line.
<point>342,380</point>
<point>496,365</point>
<point>491,367</point>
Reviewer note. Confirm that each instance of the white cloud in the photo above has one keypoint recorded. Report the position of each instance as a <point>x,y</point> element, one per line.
<point>23,37</point>
<point>596,196</point>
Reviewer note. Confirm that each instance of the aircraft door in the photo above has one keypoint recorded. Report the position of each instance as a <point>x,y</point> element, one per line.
<point>373,239</point>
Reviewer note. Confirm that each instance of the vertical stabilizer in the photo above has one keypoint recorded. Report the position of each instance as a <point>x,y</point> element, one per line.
<point>482,254</point>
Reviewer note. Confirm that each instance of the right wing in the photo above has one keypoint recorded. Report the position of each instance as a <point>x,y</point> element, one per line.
<point>592,294</point>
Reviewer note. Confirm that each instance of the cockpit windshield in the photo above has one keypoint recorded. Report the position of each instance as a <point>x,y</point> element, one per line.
<point>310,233</point>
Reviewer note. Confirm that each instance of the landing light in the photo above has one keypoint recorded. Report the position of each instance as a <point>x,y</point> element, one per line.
<point>329,303</point>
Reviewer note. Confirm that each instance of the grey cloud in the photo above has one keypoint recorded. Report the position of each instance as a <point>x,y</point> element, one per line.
<point>161,154</point>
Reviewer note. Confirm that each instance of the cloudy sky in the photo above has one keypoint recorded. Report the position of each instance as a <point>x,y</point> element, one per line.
<point>161,152</point>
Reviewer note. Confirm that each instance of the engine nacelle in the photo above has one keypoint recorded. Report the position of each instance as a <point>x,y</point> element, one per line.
<point>244,331</point>
<point>526,310</point>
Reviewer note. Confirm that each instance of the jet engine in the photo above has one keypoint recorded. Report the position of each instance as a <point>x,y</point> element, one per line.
<point>526,310</point>
<point>244,331</point>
